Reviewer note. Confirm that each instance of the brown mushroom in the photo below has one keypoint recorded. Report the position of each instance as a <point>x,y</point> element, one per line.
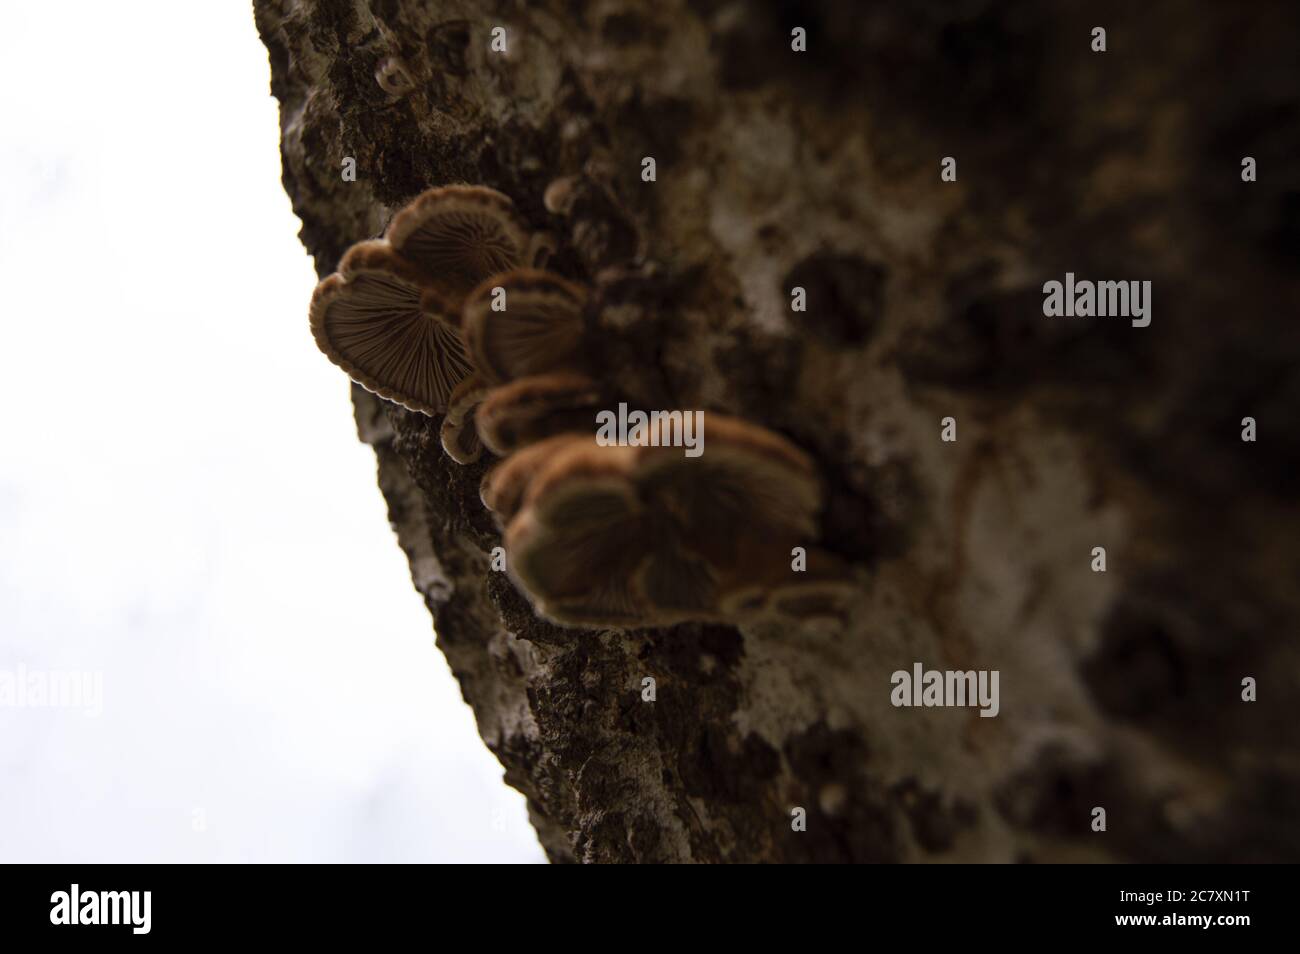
<point>746,477</point>
<point>503,487</point>
<point>372,319</point>
<point>617,535</point>
<point>821,592</point>
<point>459,235</point>
<point>530,409</point>
<point>825,600</point>
<point>459,433</point>
<point>601,232</point>
<point>539,329</point>
<point>572,546</point>
<point>560,195</point>
<point>393,77</point>
<point>675,584</point>
<point>594,584</point>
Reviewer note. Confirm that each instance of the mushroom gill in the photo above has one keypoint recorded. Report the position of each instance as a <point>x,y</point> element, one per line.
<point>533,408</point>
<point>459,235</point>
<point>571,546</point>
<point>459,434</point>
<point>503,487</point>
<point>539,327</point>
<point>390,315</point>
<point>748,479</point>
<point>372,319</point>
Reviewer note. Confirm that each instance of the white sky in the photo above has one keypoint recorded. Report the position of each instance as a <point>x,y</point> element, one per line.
<point>184,505</point>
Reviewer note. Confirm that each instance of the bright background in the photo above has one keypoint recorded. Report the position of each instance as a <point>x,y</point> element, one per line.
<point>184,505</point>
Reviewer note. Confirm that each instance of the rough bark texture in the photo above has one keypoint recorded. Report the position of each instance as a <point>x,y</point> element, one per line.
<point>821,169</point>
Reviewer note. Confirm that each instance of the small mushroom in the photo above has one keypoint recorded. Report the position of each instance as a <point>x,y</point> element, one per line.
<point>393,77</point>
<point>503,487</point>
<point>459,235</point>
<point>560,195</point>
<point>601,231</point>
<point>820,593</point>
<point>539,330</point>
<point>373,320</point>
<point>825,600</point>
<point>459,434</point>
<point>533,408</point>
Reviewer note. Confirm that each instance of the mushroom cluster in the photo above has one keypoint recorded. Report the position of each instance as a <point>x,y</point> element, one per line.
<point>644,535</point>
<point>390,316</point>
<point>450,314</point>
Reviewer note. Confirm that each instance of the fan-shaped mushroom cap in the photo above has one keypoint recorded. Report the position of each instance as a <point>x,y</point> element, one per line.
<point>823,591</point>
<point>459,435</point>
<point>618,536</point>
<point>459,235</point>
<point>540,330</point>
<point>559,195</point>
<point>593,585</point>
<point>369,319</point>
<point>675,585</point>
<point>814,599</point>
<point>580,502</point>
<point>503,487</point>
<point>747,477</point>
<point>530,409</point>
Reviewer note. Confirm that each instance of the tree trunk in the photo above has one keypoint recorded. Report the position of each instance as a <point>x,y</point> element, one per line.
<point>779,169</point>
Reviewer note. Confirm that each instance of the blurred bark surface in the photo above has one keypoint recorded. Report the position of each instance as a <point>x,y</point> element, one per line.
<point>776,168</point>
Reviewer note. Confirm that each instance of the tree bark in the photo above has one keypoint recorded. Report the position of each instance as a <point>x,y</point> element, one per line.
<point>1120,689</point>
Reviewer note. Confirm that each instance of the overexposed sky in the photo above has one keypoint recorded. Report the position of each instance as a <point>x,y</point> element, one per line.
<point>185,510</point>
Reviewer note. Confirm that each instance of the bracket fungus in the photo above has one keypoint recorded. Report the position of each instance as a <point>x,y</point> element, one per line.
<point>822,592</point>
<point>389,316</point>
<point>373,320</point>
<point>502,489</point>
<point>617,535</point>
<point>459,432</point>
<point>539,329</point>
<point>531,409</point>
<point>460,235</point>
<point>447,315</point>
